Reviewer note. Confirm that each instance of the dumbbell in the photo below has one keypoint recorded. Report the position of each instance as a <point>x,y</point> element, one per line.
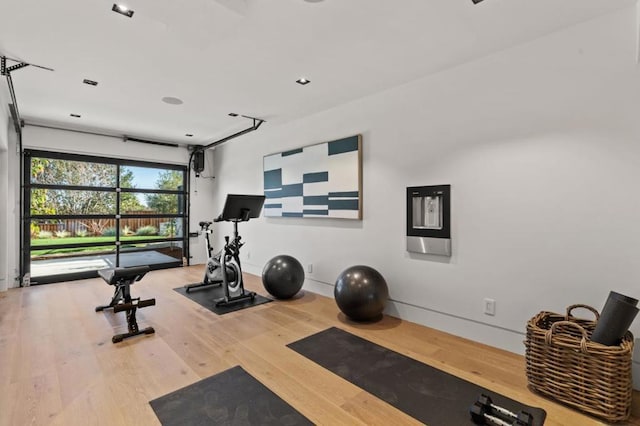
<point>485,410</point>
<point>522,418</point>
<point>480,416</point>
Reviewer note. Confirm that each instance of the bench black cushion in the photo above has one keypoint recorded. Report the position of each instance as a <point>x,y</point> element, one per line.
<point>131,274</point>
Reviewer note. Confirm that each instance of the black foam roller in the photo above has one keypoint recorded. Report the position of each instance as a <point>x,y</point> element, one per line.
<point>627,299</point>
<point>617,315</point>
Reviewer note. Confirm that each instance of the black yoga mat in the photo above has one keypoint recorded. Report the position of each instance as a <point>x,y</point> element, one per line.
<point>207,297</point>
<point>419,390</point>
<point>232,397</point>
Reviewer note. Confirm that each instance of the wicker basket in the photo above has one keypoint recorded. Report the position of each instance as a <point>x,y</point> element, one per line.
<point>564,364</point>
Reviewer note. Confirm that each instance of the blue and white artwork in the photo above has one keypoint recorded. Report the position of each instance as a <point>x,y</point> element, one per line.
<point>323,180</point>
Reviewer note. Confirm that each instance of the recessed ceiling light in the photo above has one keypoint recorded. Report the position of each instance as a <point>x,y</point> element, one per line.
<point>233,114</point>
<point>90,82</point>
<point>75,115</point>
<point>303,81</point>
<point>189,135</point>
<point>122,10</point>
<point>171,100</point>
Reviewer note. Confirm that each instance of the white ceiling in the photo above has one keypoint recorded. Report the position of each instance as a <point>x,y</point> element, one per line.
<point>243,56</point>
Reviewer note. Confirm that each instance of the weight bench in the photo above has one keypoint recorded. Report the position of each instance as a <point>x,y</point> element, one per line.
<point>122,279</point>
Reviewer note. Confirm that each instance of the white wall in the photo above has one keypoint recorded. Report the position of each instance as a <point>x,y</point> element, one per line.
<point>13,209</point>
<point>83,143</point>
<point>4,183</point>
<point>5,99</point>
<point>202,206</point>
<point>539,143</point>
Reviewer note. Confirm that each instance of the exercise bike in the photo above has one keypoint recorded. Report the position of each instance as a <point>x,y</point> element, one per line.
<point>224,268</point>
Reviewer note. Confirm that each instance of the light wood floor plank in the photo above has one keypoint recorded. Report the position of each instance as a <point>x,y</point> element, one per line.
<point>59,367</point>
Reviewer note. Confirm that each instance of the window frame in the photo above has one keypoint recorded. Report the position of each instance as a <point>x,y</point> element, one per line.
<point>27,217</point>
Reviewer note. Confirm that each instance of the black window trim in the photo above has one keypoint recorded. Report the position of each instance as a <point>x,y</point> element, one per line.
<point>25,244</point>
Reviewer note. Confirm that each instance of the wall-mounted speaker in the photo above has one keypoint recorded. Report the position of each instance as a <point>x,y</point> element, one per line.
<point>198,161</point>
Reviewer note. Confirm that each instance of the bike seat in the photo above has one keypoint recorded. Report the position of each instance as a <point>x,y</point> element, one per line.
<point>203,224</point>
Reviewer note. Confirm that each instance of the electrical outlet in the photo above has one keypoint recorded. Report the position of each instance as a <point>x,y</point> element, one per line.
<point>310,268</point>
<point>489,307</point>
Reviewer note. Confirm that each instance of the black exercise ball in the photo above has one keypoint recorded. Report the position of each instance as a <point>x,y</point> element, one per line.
<point>283,276</point>
<point>361,293</point>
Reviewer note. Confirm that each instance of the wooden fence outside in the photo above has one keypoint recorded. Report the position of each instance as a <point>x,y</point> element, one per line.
<point>97,226</point>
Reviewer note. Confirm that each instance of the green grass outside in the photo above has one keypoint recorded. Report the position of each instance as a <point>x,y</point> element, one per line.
<point>76,240</point>
<point>37,242</point>
<point>77,250</point>
<point>71,240</point>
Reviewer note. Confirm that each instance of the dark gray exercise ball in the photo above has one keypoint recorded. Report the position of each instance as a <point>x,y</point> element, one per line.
<point>283,276</point>
<point>361,293</point>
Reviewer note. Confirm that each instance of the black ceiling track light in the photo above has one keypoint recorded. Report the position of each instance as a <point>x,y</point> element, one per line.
<point>476,1</point>
<point>122,10</point>
<point>90,82</point>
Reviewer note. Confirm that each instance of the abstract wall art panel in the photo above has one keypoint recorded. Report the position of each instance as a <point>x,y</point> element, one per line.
<point>322,180</point>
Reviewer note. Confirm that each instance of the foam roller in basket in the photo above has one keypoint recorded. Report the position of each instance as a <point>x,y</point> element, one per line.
<point>617,315</point>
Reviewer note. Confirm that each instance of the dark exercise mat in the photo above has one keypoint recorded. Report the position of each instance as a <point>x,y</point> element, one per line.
<point>207,297</point>
<point>233,397</point>
<point>419,390</point>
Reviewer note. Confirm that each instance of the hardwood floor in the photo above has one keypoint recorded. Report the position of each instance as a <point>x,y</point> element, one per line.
<point>59,367</point>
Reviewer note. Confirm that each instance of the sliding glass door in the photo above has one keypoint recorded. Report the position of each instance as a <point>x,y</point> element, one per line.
<point>87,213</point>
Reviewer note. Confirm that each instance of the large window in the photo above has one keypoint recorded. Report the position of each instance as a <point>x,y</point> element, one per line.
<point>86,213</point>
